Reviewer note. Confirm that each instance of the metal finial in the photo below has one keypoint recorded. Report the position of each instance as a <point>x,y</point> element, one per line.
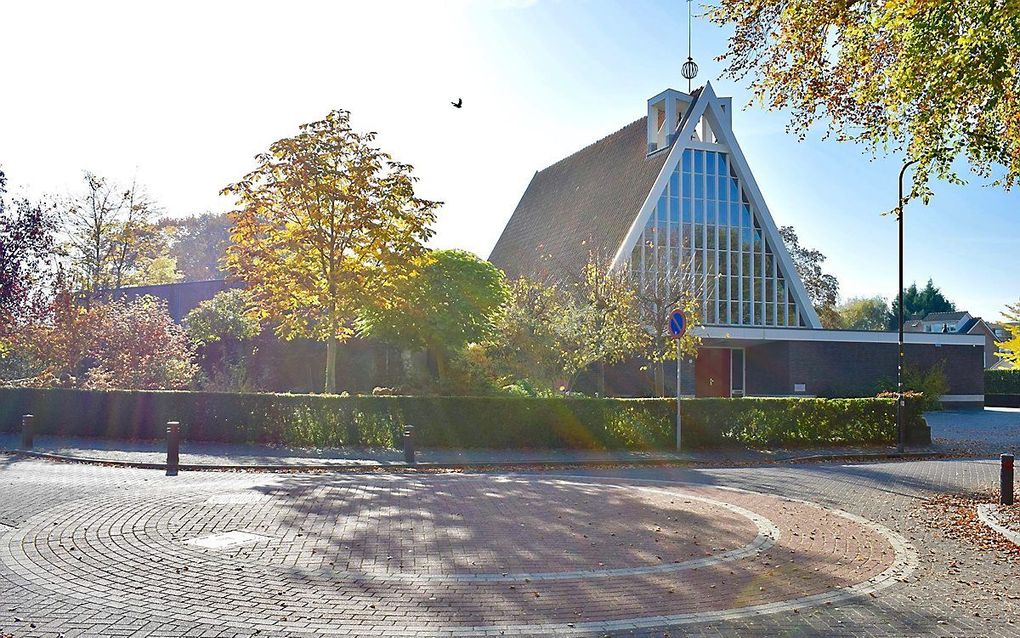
<point>689,69</point>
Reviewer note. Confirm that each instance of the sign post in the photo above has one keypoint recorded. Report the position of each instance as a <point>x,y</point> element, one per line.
<point>677,329</point>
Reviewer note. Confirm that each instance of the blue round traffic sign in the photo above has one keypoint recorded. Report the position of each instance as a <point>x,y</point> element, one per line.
<point>677,323</point>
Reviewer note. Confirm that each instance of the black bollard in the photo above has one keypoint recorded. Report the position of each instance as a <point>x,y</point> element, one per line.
<point>409,444</point>
<point>1006,479</point>
<point>173,447</point>
<point>27,432</point>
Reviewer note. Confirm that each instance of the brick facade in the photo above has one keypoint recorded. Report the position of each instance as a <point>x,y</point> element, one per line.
<point>841,369</point>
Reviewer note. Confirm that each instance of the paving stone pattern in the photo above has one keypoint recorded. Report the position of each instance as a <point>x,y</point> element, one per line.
<point>987,432</point>
<point>104,552</point>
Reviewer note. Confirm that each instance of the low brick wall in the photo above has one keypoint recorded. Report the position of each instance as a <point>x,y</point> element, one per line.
<point>1002,400</point>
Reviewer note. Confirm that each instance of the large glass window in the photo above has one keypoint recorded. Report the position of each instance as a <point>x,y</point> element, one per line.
<point>705,223</point>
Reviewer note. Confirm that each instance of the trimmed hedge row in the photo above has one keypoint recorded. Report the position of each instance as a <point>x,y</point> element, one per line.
<point>452,422</point>
<point>1002,381</point>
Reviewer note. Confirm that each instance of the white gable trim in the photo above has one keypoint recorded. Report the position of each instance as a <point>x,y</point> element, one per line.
<point>675,153</point>
<point>768,223</point>
<point>709,105</point>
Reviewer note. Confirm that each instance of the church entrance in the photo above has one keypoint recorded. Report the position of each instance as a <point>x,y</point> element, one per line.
<point>713,372</point>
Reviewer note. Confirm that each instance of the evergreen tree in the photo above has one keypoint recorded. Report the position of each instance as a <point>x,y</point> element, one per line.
<point>917,303</point>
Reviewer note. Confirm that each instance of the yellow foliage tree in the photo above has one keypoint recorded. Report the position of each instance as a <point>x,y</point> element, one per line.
<point>931,80</point>
<point>1011,345</point>
<point>325,223</point>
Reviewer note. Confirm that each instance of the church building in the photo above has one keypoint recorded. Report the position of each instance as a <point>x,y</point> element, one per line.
<point>671,193</point>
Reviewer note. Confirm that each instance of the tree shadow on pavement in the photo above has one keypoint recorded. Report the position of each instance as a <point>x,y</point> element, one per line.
<point>385,527</point>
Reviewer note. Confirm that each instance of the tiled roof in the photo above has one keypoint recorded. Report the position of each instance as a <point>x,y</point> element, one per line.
<point>584,202</point>
<point>944,316</point>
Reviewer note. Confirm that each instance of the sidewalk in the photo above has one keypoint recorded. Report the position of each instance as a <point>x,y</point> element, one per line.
<point>230,456</point>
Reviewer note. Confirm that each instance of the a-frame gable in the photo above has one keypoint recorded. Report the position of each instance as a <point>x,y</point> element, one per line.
<point>708,107</point>
<point>672,159</point>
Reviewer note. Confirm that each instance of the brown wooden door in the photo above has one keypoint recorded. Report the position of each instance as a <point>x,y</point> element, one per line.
<point>712,373</point>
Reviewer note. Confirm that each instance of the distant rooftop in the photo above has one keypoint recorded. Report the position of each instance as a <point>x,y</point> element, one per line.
<point>944,316</point>
<point>181,297</point>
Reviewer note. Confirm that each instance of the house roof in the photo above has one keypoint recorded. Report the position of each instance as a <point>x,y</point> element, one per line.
<point>584,202</point>
<point>181,297</point>
<point>971,324</point>
<point>944,316</point>
<point>913,325</point>
<point>1002,364</point>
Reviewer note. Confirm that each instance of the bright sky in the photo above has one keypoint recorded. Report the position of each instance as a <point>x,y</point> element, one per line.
<point>183,94</point>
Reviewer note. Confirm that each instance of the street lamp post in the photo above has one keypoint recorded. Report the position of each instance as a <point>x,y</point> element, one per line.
<point>901,435</point>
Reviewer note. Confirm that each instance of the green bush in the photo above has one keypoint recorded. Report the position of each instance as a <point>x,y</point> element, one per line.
<point>1002,381</point>
<point>453,422</point>
<point>762,422</point>
<point>930,383</point>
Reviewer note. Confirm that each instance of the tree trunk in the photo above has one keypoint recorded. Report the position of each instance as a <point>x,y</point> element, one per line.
<point>659,372</point>
<point>602,378</point>
<point>331,344</point>
<point>442,365</point>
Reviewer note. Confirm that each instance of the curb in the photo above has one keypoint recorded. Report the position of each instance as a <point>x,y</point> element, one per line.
<point>397,466</point>
<point>988,514</point>
<point>878,456</point>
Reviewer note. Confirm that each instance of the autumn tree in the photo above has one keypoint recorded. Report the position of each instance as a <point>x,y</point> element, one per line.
<point>27,232</point>
<point>863,313</point>
<point>324,225</point>
<point>137,345</point>
<point>449,301</point>
<point>822,288</point>
<point>918,302</point>
<point>602,320</point>
<point>929,80</point>
<point>674,289</point>
<point>1010,347</point>
<point>526,340</point>
<point>119,343</point>
<point>110,238</point>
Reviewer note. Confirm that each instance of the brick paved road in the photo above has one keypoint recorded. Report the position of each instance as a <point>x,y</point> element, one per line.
<point>987,432</point>
<point>101,551</point>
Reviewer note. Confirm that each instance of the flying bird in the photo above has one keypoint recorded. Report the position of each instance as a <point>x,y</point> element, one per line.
<point>459,103</point>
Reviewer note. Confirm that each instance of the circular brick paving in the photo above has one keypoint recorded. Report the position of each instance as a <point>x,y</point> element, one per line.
<point>451,554</point>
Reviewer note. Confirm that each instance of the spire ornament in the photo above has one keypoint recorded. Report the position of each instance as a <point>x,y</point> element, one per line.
<point>690,68</point>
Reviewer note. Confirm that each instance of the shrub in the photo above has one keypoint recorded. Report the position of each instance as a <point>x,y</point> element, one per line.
<point>1002,381</point>
<point>117,343</point>
<point>930,384</point>
<point>225,317</point>
<point>224,329</point>
<point>761,422</point>
<point>455,422</point>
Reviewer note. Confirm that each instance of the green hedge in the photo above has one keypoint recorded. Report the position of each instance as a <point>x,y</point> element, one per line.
<point>1002,381</point>
<point>451,422</point>
<point>803,422</point>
